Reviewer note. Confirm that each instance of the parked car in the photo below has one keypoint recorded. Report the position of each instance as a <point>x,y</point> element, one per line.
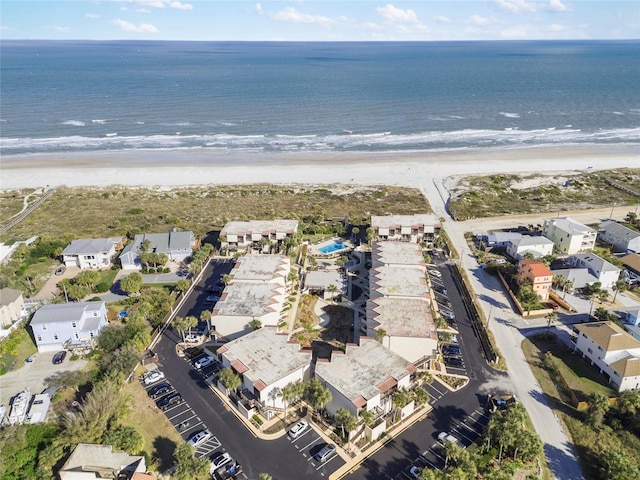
<point>440,288</point>
<point>451,349</point>
<point>60,270</point>
<point>160,390</point>
<point>213,298</point>
<point>198,438</point>
<point>324,453</point>
<point>447,437</point>
<point>169,400</point>
<point>218,460</point>
<point>434,273</point>
<point>192,338</point>
<point>454,361</point>
<point>415,472</point>
<point>298,429</point>
<point>59,357</point>
<point>231,470</point>
<point>203,362</point>
<point>152,377</point>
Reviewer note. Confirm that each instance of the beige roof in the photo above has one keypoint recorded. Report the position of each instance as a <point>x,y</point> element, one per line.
<point>609,336</point>
<point>632,261</point>
<point>628,366</point>
<point>9,295</point>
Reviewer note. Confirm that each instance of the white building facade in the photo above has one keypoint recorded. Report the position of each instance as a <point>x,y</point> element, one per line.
<point>606,273</point>
<point>91,253</point>
<point>568,235</point>
<point>406,228</point>
<point>621,238</point>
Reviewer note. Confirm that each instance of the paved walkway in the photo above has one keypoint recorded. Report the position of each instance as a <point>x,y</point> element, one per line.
<point>505,326</point>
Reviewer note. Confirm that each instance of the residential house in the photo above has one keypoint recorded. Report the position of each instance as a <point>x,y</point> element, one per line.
<point>500,239</point>
<point>613,351</point>
<point>177,246</point>
<point>621,238</point>
<point>257,291</point>
<point>266,361</point>
<point>92,462</point>
<point>538,274</point>
<point>11,306</point>
<point>631,319</point>
<point>6,251</point>
<point>568,235</point>
<point>406,228</point>
<point>399,309</point>
<point>243,235</point>
<point>579,277</point>
<point>631,264</point>
<point>91,252</point>
<point>537,246</point>
<point>68,325</point>
<point>606,273</point>
<point>363,377</point>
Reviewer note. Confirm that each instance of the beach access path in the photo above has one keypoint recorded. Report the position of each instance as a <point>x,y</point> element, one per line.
<point>504,325</point>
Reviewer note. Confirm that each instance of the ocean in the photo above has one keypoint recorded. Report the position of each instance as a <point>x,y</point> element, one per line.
<point>84,96</point>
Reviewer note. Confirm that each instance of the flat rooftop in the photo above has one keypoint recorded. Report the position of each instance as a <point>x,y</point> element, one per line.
<point>259,226</point>
<point>256,267</point>
<point>395,221</point>
<point>248,299</point>
<point>403,317</point>
<point>397,253</point>
<point>316,279</point>
<point>266,355</point>
<point>363,371</point>
<point>397,281</point>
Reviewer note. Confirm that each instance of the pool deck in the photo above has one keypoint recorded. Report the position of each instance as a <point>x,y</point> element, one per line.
<point>314,249</point>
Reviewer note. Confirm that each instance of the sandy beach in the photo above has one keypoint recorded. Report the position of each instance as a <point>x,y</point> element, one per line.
<point>200,167</point>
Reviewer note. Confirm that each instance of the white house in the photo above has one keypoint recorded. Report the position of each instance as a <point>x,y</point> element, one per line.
<point>537,246</point>
<point>92,462</point>
<point>364,377</point>
<point>177,246</point>
<point>613,351</point>
<point>266,361</point>
<point>91,252</point>
<point>622,238</point>
<point>606,273</point>
<point>68,325</point>
<point>568,235</point>
<point>242,235</point>
<point>257,291</point>
<point>631,264</point>
<point>11,306</point>
<point>406,228</point>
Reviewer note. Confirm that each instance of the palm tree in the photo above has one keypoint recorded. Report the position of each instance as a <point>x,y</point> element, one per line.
<point>551,318</point>
<point>568,283</point>
<point>619,286</point>
<point>255,324</point>
<point>180,324</point>
<point>332,289</point>
<point>380,334</point>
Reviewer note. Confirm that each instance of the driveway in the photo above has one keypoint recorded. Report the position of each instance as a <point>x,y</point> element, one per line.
<point>35,375</point>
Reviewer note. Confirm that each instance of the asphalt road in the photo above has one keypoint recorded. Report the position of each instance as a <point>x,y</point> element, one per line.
<point>281,458</point>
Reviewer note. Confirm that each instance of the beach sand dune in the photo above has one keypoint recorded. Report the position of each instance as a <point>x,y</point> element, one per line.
<point>199,167</point>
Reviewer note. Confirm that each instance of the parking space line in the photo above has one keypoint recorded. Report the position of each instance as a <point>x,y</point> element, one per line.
<point>326,462</point>
<point>430,385</point>
<point>302,435</point>
<point>178,414</point>
<point>309,444</point>
<point>457,430</point>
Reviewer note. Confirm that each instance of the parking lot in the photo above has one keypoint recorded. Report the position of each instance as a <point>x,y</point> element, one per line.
<point>308,444</point>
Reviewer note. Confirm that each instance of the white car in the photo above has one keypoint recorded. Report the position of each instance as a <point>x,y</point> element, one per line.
<point>192,338</point>
<point>219,460</point>
<point>446,437</point>
<point>203,362</point>
<point>153,377</point>
<point>435,273</point>
<point>298,429</point>
<point>199,438</point>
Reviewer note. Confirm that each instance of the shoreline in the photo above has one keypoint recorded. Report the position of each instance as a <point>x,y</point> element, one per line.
<point>200,167</point>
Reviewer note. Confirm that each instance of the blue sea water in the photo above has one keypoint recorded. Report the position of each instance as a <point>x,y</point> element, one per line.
<point>83,96</point>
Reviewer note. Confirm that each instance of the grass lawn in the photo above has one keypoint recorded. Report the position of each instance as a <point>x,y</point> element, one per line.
<point>24,349</point>
<point>108,276</point>
<point>582,378</point>
<point>160,437</point>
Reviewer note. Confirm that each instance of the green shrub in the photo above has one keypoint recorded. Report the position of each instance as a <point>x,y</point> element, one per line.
<point>73,358</point>
<point>103,287</point>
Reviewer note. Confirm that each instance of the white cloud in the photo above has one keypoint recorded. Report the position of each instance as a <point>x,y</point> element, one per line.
<point>556,27</point>
<point>124,9</point>
<point>181,6</point>
<point>478,20</point>
<point>558,6</point>
<point>442,19</point>
<point>143,10</point>
<point>130,27</point>
<point>290,14</point>
<point>6,28</point>
<point>517,32</point>
<point>59,29</point>
<point>259,8</point>
<point>92,16</point>
<point>516,6</point>
<point>394,14</point>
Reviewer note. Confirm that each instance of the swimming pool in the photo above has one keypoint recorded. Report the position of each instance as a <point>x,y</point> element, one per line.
<point>333,247</point>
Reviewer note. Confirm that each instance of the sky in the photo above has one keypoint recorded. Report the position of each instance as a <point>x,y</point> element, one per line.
<point>319,20</point>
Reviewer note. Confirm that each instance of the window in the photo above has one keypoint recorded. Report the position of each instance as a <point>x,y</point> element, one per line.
<point>77,336</point>
<point>39,338</point>
<point>74,325</point>
<point>44,326</point>
<point>589,350</point>
<point>55,336</point>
